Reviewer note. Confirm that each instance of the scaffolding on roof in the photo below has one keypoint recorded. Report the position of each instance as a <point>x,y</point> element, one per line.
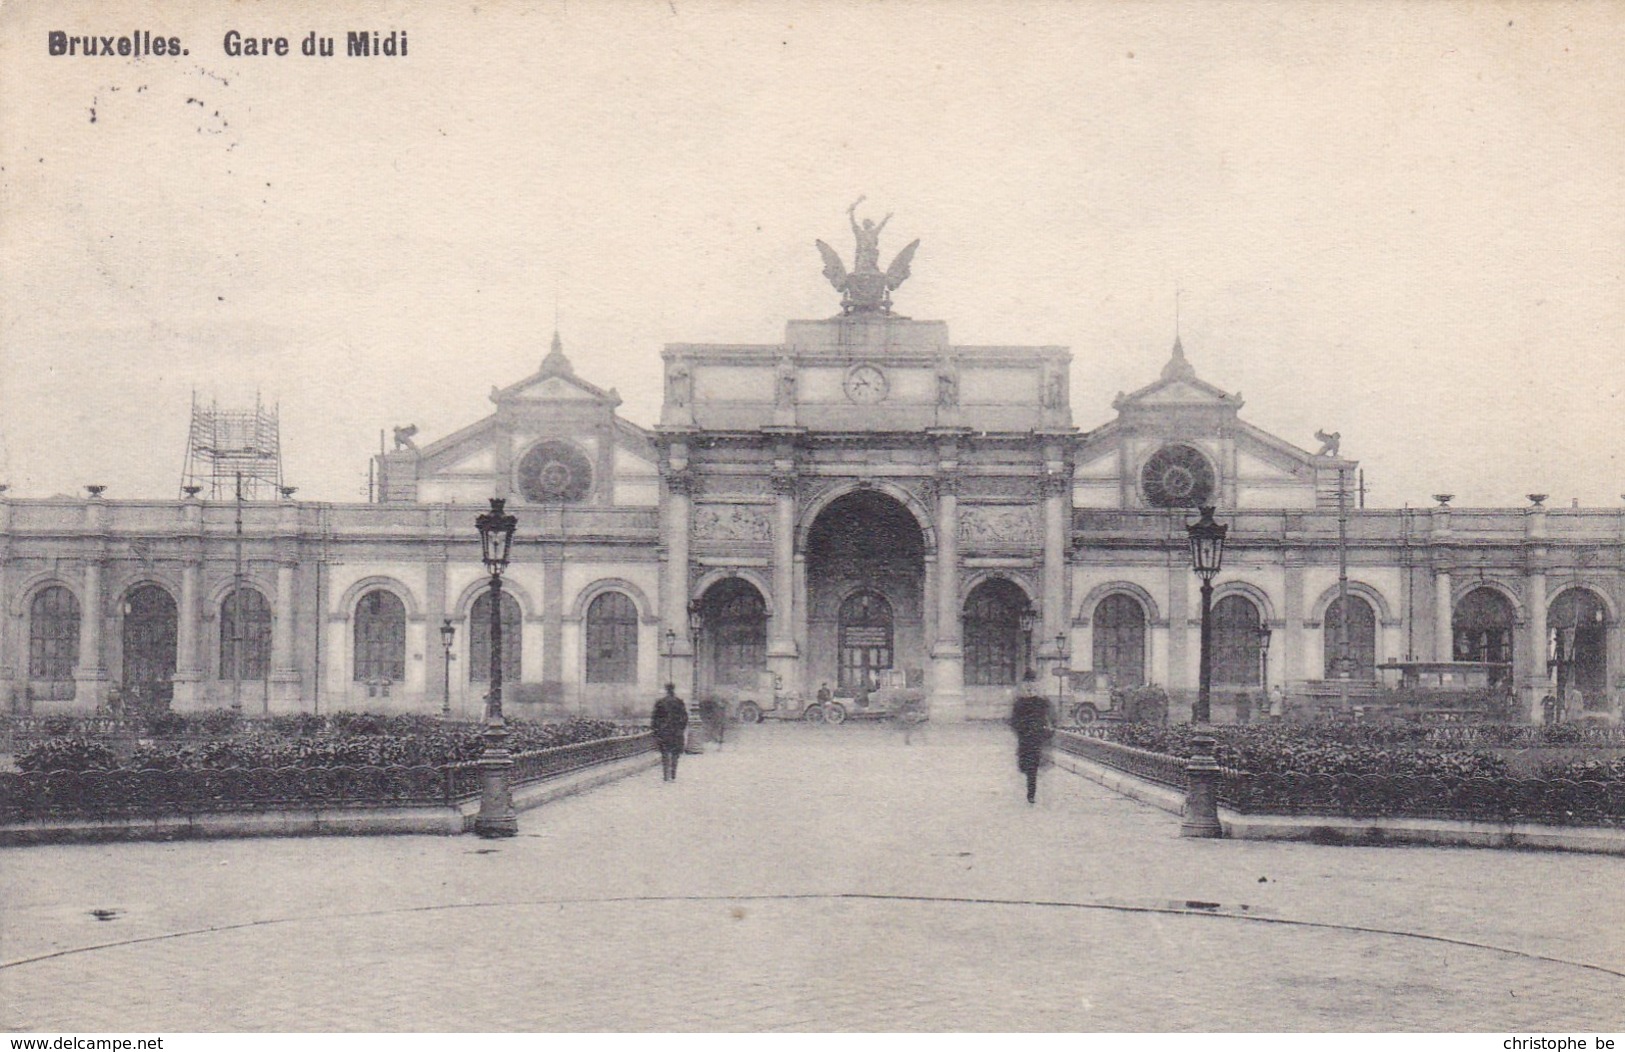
<point>231,448</point>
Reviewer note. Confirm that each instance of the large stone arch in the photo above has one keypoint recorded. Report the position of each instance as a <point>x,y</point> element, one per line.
<point>1460,590</point>
<point>220,590</point>
<point>916,507</point>
<point>1379,604</point>
<point>976,578</point>
<point>1086,609</point>
<point>746,573</point>
<point>459,610</point>
<point>127,584</point>
<point>23,598</point>
<point>647,613</point>
<point>1594,587</point>
<point>1259,597</point>
<point>344,606</point>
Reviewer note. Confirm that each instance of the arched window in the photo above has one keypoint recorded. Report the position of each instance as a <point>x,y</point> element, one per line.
<point>1119,630</point>
<point>380,637</point>
<point>1482,628</point>
<point>245,635</point>
<point>1237,655</point>
<point>612,639</point>
<point>479,639</point>
<point>865,626</point>
<point>736,616</point>
<point>53,634</point>
<point>994,647</point>
<point>149,644</point>
<point>1362,638</point>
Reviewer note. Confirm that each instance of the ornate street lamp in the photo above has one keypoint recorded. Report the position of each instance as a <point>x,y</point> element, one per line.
<point>1207,556</point>
<point>671,648</point>
<point>448,632</point>
<point>496,817</point>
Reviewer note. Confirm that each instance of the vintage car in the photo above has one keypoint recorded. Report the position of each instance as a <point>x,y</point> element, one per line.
<point>1085,696</point>
<point>899,693</point>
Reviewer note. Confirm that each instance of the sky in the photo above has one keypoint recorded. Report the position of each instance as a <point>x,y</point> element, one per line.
<point>1400,222</point>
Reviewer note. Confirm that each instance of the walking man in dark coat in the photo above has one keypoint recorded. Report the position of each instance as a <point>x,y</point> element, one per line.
<point>670,726</point>
<point>1030,719</point>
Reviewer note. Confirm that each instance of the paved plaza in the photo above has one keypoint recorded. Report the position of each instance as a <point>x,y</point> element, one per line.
<point>812,878</point>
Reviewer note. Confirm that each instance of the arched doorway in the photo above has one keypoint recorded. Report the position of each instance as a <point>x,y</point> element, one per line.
<point>1578,644</point>
<point>1481,628</point>
<point>865,594</point>
<point>997,650</point>
<point>1119,638</point>
<point>149,647</point>
<point>1362,638</point>
<point>733,636</point>
<point>1238,659</point>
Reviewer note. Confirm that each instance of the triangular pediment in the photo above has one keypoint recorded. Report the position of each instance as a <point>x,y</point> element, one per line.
<point>1180,392</point>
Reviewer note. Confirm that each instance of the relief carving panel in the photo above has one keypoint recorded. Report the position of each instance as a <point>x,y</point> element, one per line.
<point>997,526</point>
<point>732,522</point>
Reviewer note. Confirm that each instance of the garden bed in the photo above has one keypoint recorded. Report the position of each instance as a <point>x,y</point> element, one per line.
<point>1397,770</point>
<point>346,761</point>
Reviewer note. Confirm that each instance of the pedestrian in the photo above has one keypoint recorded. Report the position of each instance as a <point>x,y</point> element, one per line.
<point>1030,719</point>
<point>670,725</point>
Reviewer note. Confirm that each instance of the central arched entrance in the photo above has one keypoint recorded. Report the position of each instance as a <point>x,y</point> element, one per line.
<point>865,595</point>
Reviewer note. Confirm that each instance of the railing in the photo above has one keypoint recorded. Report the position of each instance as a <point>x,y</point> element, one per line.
<point>1482,736</point>
<point>149,793</point>
<point>1557,801</point>
<point>1152,766</point>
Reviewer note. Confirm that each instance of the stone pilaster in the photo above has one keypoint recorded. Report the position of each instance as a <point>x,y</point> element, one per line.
<point>676,517</point>
<point>553,622</point>
<point>1443,614</point>
<point>781,643</point>
<point>285,680</point>
<point>948,654</point>
<point>1053,487</point>
<point>90,677</point>
<point>1534,678</point>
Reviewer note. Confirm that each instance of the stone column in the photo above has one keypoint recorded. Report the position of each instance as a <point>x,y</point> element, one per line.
<point>284,623</point>
<point>679,487</point>
<point>552,622</point>
<point>781,644</point>
<point>1443,610</point>
<point>948,654</point>
<point>1180,633</point>
<point>802,629</point>
<point>189,671</point>
<point>190,662</point>
<point>90,677</point>
<point>1535,648</point>
<point>1053,487</point>
<point>1290,647</point>
<point>284,685</point>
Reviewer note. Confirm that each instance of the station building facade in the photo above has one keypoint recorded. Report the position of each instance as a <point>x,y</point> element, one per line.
<point>863,499</point>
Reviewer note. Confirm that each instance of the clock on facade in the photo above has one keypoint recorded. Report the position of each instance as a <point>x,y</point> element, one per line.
<point>865,384</point>
<point>1177,476</point>
<point>554,471</point>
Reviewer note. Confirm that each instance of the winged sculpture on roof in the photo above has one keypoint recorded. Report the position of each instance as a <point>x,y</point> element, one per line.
<point>866,288</point>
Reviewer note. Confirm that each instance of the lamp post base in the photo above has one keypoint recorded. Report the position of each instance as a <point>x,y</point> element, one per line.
<point>1201,817</point>
<point>497,817</point>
